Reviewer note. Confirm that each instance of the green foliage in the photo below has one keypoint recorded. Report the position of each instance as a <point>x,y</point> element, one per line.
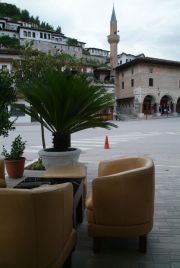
<point>36,65</point>
<point>72,42</point>
<point>8,96</point>
<point>61,102</point>
<point>17,149</point>
<point>46,26</point>
<point>9,42</point>
<point>38,165</point>
<point>65,104</point>
<point>9,10</point>
<point>58,29</point>
<point>85,51</point>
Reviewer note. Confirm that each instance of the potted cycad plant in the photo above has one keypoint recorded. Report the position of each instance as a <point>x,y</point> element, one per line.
<point>64,104</point>
<point>14,161</point>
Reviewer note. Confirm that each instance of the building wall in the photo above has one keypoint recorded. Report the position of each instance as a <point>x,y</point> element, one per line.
<point>166,82</point>
<point>5,65</point>
<point>54,47</point>
<point>123,57</point>
<point>9,33</point>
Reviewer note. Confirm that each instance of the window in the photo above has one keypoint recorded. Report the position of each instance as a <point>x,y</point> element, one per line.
<point>150,82</point>
<point>122,84</point>
<point>34,35</point>
<point>132,82</point>
<point>120,61</point>
<point>29,34</point>
<point>126,60</point>
<point>45,36</point>
<point>49,36</point>
<point>17,109</point>
<point>4,67</point>
<point>41,35</point>
<point>25,33</point>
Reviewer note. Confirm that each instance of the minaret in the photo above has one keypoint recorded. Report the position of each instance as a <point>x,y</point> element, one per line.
<point>113,40</point>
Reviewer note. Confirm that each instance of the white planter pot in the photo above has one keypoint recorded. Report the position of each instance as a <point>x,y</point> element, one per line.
<point>59,158</point>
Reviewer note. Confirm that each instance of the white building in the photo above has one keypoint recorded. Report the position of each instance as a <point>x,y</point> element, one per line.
<point>42,39</point>
<point>124,57</point>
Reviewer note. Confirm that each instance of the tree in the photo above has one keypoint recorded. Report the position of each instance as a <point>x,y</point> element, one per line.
<point>25,15</point>
<point>58,29</point>
<point>72,42</point>
<point>35,65</point>
<point>8,96</point>
<point>62,102</point>
<point>9,42</point>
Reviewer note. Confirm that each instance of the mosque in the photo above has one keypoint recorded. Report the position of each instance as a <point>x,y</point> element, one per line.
<point>143,85</point>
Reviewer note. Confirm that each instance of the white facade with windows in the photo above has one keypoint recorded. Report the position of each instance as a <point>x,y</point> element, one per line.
<point>124,57</point>
<point>98,52</point>
<point>43,40</point>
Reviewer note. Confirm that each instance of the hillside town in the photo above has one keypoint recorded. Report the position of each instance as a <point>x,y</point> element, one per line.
<point>141,86</point>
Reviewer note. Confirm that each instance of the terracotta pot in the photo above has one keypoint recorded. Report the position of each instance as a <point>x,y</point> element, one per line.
<point>15,168</point>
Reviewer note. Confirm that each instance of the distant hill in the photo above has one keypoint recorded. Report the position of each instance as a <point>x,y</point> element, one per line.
<point>13,12</point>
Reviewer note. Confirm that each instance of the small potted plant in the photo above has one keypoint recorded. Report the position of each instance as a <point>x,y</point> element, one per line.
<point>14,161</point>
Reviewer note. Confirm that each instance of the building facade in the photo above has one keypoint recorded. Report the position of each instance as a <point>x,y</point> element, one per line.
<point>143,86</point>
<point>124,57</point>
<point>148,86</point>
<point>48,41</point>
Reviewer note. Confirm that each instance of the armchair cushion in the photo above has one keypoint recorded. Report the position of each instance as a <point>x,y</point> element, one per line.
<point>36,228</point>
<point>122,198</point>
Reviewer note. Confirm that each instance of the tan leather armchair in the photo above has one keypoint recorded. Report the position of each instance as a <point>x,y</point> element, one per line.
<point>2,174</point>
<point>122,200</point>
<point>36,226</point>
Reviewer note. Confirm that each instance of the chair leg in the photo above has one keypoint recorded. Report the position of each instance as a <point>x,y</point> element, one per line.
<point>68,261</point>
<point>143,243</point>
<point>96,244</point>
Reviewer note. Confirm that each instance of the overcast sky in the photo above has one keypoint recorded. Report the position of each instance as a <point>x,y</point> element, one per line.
<point>151,27</point>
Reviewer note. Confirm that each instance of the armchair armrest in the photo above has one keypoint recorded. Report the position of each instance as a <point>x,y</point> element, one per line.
<point>89,201</point>
<point>108,167</point>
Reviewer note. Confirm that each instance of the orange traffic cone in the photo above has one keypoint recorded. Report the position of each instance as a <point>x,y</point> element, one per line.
<point>106,144</point>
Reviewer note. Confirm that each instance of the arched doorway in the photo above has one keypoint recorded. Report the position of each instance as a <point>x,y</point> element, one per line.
<point>178,106</point>
<point>149,105</point>
<point>166,104</point>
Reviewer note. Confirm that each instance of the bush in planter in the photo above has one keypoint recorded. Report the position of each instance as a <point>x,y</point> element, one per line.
<point>8,96</point>
<point>64,104</point>
<point>14,161</point>
<point>37,165</point>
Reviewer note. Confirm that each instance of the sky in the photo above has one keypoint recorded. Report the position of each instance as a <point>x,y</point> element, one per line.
<point>151,27</point>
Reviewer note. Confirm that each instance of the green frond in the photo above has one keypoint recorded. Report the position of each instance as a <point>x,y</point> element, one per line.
<point>66,103</point>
